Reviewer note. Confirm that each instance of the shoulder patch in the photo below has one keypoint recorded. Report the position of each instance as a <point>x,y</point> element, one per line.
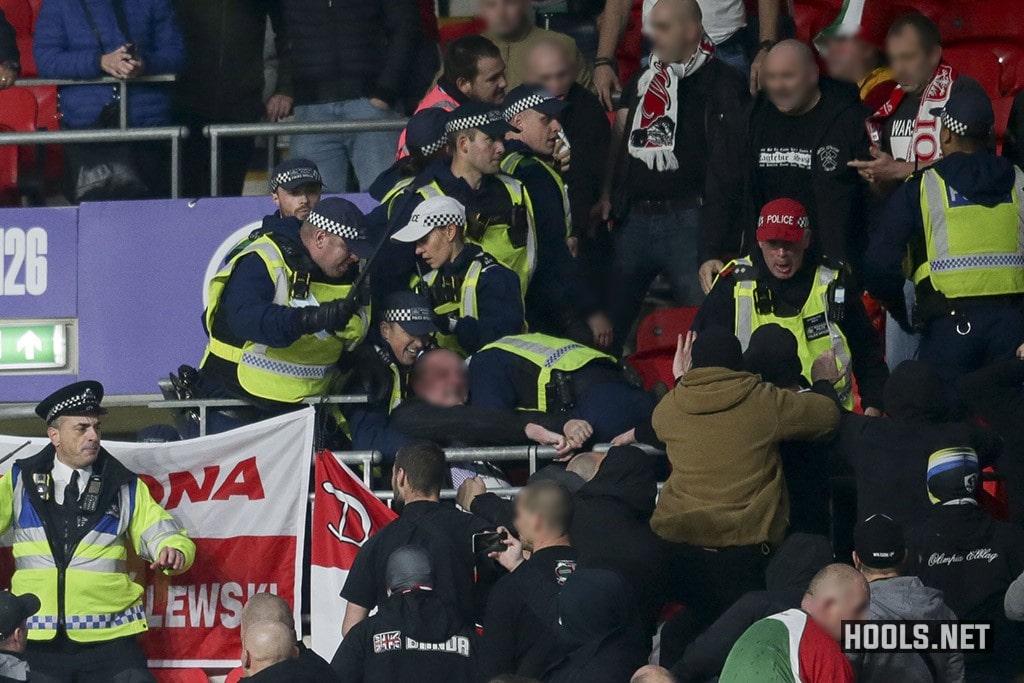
<point>486,260</point>
<point>563,570</point>
<point>742,271</point>
<point>388,641</point>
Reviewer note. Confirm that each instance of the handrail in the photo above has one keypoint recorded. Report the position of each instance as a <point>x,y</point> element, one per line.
<point>109,135</point>
<point>121,83</point>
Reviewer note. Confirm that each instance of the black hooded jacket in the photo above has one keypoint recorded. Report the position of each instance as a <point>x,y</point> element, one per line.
<point>890,455</point>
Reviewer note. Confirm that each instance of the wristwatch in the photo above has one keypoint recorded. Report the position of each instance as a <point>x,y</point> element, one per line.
<point>766,45</point>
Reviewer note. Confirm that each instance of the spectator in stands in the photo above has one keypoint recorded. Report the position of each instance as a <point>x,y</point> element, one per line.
<point>14,613</point>
<point>472,71</point>
<point>652,674</point>
<point>1013,144</point>
<point>265,344</point>
<point>424,142</point>
<point>800,135</point>
<point>1013,603</point>
<point>802,644</point>
<point>971,558</point>
<point>550,64</point>
<point>957,230</point>
<point>415,635</point>
<point>10,57</point>
<point>419,474</point>
<point>438,411</point>
<point>593,613</point>
<point>541,372</point>
<point>509,25</point>
<point>558,301</point>
<point>879,555</point>
<point>787,577</point>
<point>519,627</point>
<point>785,281</point>
<point>853,47</point>
<point>269,654</point>
<point>350,61</point>
<point>223,82</point>
<point>889,456</point>
<point>267,607</point>
<point>724,506</point>
<point>613,498</point>
<point>659,165</point>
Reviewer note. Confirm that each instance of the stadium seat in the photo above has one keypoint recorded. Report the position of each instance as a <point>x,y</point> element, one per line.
<point>234,676</point>
<point>811,17</point>
<point>28,60</point>
<point>19,15</point>
<point>18,109</point>
<point>656,344</point>
<point>1002,106</point>
<point>180,675</point>
<point>35,5</point>
<point>981,20</point>
<point>995,64</point>
<point>456,27</point>
<point>9,194</point>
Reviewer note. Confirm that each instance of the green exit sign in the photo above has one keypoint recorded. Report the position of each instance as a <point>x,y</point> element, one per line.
<point>33,345</point>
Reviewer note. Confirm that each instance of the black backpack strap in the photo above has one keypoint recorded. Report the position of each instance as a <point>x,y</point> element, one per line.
<point>92,25</point>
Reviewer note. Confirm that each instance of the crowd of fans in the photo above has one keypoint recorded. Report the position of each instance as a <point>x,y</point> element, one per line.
<point>853,242</point>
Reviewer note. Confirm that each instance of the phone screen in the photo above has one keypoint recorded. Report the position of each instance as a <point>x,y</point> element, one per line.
<point>489,541</point>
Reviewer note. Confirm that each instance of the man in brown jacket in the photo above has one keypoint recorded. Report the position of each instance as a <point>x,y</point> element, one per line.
<point>725,505</point>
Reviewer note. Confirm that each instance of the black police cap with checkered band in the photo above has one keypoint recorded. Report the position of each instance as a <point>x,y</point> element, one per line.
<point>536,97</point>
<point>80,398</point>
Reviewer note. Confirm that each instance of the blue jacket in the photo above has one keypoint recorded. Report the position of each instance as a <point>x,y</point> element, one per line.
<point>65,47</point>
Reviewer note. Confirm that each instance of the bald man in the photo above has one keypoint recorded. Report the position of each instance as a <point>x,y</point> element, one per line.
<point>765,651</point>
<point>801,135</point>
<point>269,653</point>
<point>673,128</point>
<point>268,607</point>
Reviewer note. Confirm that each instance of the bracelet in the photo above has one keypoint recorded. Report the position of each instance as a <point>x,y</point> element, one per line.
<point>604,61</point>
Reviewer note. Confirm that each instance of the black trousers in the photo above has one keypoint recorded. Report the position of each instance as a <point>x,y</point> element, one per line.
<point>65,661</point>
<point>235,156</point>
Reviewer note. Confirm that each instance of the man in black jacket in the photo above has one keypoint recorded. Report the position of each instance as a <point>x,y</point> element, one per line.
<point>269,655</point>
<point>799,137</point>
<point>10,57</point>
<point>351,60</point>
<point>671,132</point>
<point>14,613</point>
<point>264,607</point>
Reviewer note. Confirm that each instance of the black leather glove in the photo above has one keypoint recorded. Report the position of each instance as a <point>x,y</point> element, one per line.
<point>445,323</point>
<point>332,316</point>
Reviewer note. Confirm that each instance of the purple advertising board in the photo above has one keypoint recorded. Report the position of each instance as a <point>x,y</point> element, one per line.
<point>137,287</point>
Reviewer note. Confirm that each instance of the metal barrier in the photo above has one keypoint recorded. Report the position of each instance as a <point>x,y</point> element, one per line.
<point>121,83</point>
<point>271,130</point>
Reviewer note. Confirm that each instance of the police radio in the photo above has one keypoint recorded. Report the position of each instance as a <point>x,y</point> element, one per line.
<point>836,302</point>
<point>91,498</point>
<point>763,303</point>
<point>42,482</point>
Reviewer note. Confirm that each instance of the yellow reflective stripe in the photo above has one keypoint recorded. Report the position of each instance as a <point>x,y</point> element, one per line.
<point>430,190</point>
<point>511,162</point>
<point>825,278</point>
<point>744,298</point>
<point>549,355</point>
<point>517,193</point>
<point>43,561</point>
<point>112,550</point>
<point>257,359</point>
<point>38,547</point>
<point>468,305</point>
<point>25,535</point>
<point>99,565</point>
<point>935,199</point>
<point>156,534</point>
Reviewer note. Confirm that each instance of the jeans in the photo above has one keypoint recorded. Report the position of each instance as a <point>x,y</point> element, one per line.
<point>646,245</point>
<point>369,154</point>
<point>900,345</point>
<point>733,52</point>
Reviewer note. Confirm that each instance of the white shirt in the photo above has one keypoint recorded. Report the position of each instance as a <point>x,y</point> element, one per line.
<point>722,18</point>
<point>62,477</point>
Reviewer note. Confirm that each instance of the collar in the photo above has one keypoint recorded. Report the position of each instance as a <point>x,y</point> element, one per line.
<point>518,146</point>
<point>418,508</point>
<point>461,262</point>
<point>451,90</point>
<point>385,353</point>
<point>62,472</point>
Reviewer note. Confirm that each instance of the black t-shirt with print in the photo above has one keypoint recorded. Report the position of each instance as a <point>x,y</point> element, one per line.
<point>898,131</point>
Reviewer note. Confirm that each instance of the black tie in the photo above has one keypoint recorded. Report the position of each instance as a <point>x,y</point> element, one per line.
<point>71,491</point>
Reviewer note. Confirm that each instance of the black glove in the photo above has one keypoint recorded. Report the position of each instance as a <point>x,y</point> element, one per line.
<point>898,311</point>
<point>332,316</point>
<point>445,323</point>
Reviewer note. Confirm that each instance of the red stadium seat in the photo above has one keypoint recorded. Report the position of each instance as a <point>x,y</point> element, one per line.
<point>811,17</point>
<point>978,62</point>
<point>47,118</point>
<point>234,676</point>
<point>35,4</point>
<point>28,59</point>
<point>982,20</point>
<point>18,108</point>
<point>19,15</point>
<point>453,28</point>
<point>1002,107</point>
<point>656,344</point>
<point>180,675</point>
<point>8,173</point>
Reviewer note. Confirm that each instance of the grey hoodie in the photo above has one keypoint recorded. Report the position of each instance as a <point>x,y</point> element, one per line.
<point>906,598</point>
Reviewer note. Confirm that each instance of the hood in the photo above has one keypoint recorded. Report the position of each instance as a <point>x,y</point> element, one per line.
<point>620,479</point>
<point>795,563</point>
<point>711,390</point>
<point>905,597</point>
<point>423,614</point>
<point>983,178</point>
<point>914,392</point>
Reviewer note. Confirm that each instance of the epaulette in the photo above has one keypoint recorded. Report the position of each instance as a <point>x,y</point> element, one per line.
<point>486,260</point>
<point>740,271</point>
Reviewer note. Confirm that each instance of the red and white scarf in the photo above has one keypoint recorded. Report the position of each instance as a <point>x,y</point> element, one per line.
<point>652,138</point>
<point>924,145</point>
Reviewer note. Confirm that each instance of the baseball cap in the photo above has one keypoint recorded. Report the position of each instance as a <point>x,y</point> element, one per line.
<point>408,567</point>
<point>968,113</point>
<point>14,610</point>
<point>343,218</point>
<point>535,97</point>
<point>411,311</point>
<point>426,130</point>
<point>479,116</point>
<point>879,542</point>
<point>782,220</point>
<point>291,173</point>
<point>432,213</point>
<point>952,475</point>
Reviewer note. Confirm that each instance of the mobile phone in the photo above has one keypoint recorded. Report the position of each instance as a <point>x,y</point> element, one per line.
<point>489,542</point>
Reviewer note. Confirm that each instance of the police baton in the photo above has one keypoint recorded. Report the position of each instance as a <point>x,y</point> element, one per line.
<point>14,452</point>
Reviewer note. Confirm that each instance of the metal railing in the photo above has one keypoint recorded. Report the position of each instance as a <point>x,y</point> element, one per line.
<point>271,130</point>
<point>121,83</point>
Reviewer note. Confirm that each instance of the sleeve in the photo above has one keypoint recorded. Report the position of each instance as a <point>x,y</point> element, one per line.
<point>152,529</point>
<point>248,308</point>
<point>52,49</point>
<point>948,667</point>
<point>361,585</point>
<point>867,355</point>
<point>166,52</point>
<point>705,656</point>
<point>993,394</point>
<point>6,502</point>
<point>498,651</point>
<point>1013,602</point>
<point>495,510</point>
<point>469,425</point>
<point>349,660</point>
<point>644,433</point>
<point>803,417</point>
<point>499,307</point>
<point>370,432</point>
<point>403,34</point>
<point>585,70</point>
<point>281,47</point>
<point>8,41</point>
<point>898,222</point>
<point>987,444</point>
<point>840,192</point>
<point>719,307</point>
<point>1013,144</point>
<point>489,382</point>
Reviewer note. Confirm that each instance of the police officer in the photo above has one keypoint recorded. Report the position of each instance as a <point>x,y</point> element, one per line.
<point>381,366</point>
<point>540,372</point>
<point>282,312</point>
<point>776,283</point>
<point>428,143</point>
<point>415,635</point>
<point>962,221</point>
<point>476,300</point>
<point>14,613</point>
<point>560,301</point>
<point>73,510</point>
<point>501,217</point>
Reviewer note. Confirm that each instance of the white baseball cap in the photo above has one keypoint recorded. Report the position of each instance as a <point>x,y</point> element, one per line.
<point>431,213</point>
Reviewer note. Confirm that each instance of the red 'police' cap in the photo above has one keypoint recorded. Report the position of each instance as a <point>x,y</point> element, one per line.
<point>783,220</point>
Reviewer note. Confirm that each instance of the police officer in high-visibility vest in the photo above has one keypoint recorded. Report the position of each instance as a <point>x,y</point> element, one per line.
<point>72,511</point>
<point>957,230</point>
<point>560,301</point>
<point>776,283</point>
<point>500,214</point>
<point>427,141</point>
<point>475,299</point>
<point>282,312</point>
<point>550,374</point>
